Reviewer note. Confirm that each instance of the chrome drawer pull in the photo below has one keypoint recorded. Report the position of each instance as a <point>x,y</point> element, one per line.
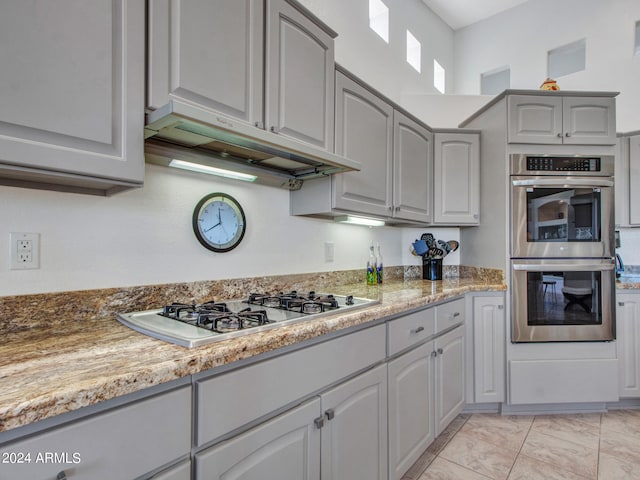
<point>456,314</point>
<point>440,351</point>
<point>330,413</point>
<point>416,330</point>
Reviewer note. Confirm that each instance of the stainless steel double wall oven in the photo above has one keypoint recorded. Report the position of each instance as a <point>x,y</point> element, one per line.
<point>561,246</point>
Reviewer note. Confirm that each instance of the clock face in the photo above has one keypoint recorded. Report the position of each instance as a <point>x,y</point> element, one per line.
<point>219,222</point>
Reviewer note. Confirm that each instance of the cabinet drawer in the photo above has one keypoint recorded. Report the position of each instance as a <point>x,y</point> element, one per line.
<point>264,387</point>
<point>410,330</point>
<point>125,442</point>
<point>449,314</point>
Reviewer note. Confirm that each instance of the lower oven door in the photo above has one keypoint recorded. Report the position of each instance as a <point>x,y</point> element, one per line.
<point>562,300</point>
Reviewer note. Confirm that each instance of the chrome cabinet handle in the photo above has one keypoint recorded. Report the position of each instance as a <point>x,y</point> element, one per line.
<point>567,134</point>
<point>440,351</point>
<point>330,413</point>
<point>434,354</point>
<point>61,475</point>
<point>621,304</point>
<point>416,330</point>
<point>455,314</point>
<point>500,307</point>
<point>274,129</point>
<point>559,135</point>
<point>259,125</point>
<point>319,422</point>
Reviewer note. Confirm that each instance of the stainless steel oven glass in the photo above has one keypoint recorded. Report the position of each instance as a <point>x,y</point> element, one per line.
<point>556,300</point>
<point>558,213</point>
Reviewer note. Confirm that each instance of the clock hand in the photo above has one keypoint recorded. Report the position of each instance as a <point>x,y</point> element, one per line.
<point>211,228</point>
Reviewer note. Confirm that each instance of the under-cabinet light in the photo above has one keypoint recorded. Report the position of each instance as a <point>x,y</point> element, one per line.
<point>220,172</point>
<point>370,222</point>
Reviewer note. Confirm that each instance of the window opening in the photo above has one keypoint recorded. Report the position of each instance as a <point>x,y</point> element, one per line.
<point>567,59</point>
<point>438,76</point>
<point>379,19</point>
<point>413,51</point>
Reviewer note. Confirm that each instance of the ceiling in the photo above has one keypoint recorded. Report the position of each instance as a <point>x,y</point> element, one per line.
<point>460,13</point>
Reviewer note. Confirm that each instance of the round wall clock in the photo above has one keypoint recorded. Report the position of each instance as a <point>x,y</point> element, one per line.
<point>219,222</point>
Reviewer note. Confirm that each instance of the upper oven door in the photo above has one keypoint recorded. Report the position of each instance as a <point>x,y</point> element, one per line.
<point>561,217</point>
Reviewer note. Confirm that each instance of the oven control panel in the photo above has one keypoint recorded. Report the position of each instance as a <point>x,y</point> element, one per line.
<point>563,164</point>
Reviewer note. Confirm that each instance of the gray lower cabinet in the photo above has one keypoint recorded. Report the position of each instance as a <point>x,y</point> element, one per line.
<point>72,95</point>
<point>486,337</point>
<point>340,434</point>
<point>354,435</point>
<point>426,382</point>
<point>182,471</point>
<point>125,442</point>
<point>449,377</point>
<point>411,408</point>
<point>286,447</point>
<point>628,343</point>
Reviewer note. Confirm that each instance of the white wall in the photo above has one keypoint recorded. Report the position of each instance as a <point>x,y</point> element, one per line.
<point>144,236</point>
<point>521,37</point>
<point>383,66</point>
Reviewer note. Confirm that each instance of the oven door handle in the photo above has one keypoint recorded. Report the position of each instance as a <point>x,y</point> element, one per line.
<point>569,182</point>
<point>567,267</point>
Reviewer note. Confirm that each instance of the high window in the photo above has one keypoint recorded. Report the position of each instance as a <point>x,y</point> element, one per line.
<point>379,18</point>
<point>438,76</point>
<point>413,51</point>
<point>567,59</point>
<point>495,81</point>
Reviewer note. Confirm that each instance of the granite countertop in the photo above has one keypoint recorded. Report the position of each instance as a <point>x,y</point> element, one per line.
<point>52,370</point>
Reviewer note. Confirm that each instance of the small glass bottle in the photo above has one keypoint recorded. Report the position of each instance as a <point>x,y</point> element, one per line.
<point>379,265</point>
<point>372,276</point>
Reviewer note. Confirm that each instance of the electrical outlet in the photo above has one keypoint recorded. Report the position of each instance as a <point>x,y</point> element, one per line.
<point>25,251</point>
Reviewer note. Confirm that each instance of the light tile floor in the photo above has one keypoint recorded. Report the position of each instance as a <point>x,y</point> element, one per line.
<point>543,447</point>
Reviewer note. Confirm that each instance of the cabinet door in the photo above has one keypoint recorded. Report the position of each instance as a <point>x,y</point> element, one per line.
<point>634,180</point>
<point>299,76</point>
<point>71,96</point>
<point>209,52</point>
<point>411,427</point>
<point>354,436</point>
<point>286,447</point>
<point>589,121</point>
<point>488,349</point>
<point>449,376</point>
<point>457,178</point>
<point>628,343</point>
<point>412,170</point>
<point>623,181</point>
<point>534,119</point>
<point>364,133</point>
<point>126,442</point>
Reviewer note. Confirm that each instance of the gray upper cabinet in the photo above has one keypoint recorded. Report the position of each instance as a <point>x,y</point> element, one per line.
<point>457,168</point>
<point>186,59</point>
<point>555,119</point>
<point>72,95</point>
<point>412,170</point>
<point>627,209</point>
<point>396,157</point>
<point>364,133</point>
<point>299,75</point>
<point>234,57</point>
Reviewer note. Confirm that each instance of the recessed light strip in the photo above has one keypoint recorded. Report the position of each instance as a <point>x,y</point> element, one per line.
<point>220,172</point>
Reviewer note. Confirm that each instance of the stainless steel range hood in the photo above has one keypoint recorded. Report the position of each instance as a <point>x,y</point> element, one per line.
<point>184,131</point>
